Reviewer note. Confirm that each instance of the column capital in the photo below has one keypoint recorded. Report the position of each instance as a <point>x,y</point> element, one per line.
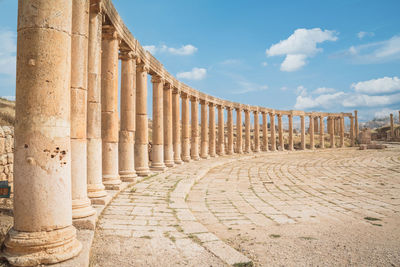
<point>168,86</point>
<point>203,101</point>
<point>255,112</point>
<point>229,107</point>
<point>194,98</point>
<point>127,54</point>
<point>157,79</point>
<point>211,104</point>
<point>96,6</point>
<point>176,91</point>
<point>142,67</point>
<point>220,106</point>
<point>110,33</point>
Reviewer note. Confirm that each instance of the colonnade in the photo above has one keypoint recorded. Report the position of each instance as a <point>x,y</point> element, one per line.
<point>73,140</point>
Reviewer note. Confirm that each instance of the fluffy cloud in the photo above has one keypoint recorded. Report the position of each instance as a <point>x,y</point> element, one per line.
<point>384,113</point>
<point>323,101</point>
<point>378,86</point>
<point>362,100</point>
<point>299,46</point>
<point>194,74</point>
<point>323,90</point>
<point>377,52</point>
<point>8,48</point>
<point>362,34</point>
<point>184,50</point>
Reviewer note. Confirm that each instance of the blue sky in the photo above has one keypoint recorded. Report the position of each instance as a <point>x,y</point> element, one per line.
<point>311,55</point>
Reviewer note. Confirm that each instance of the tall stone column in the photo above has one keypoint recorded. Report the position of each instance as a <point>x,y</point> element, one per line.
<point>272,125</point>
<point>303,132</point>
<point>239,130</point>
<point>265,131</point>
<point>204,129</point>
<point>331,132</point>
<point>157,163</point>
<point>194,148</point>
<point>127,133</point>
<point>176,121</point>
<point>280,132</point>
<point>95,185</point>
<point>142,123</point>
<point>312,146</point>
<point>316,128</point>
<point>290,117</point>
<point>336,126</point>
<point>391,126</point>
<point>167,124</point>
<point>341,131</point>
<point>185,128</point>
<point>212,130</point>
<point>221,131</point>
<point>247,125</point>
<point>321,132</point>
<point>355,124</point>
<point>229,149</point>
<point>256,132</point>
<point>352,130</point>
<point>109,107</point>
<point>42,232</point>
<point>82,211</point>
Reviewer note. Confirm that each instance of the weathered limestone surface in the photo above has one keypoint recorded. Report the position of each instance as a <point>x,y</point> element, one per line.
<point>212,131</point>
<point>221,131</point>
<point>265,132</point>
<point>168,137</point>
<point>230,148</point>
<point>204,130</point>
<point>185,128</point>
<point>239,130</point>
<point>176,120</point>
<point>272,124</point>
<point>256,132</point>
<point>194,144</point>
<point>7,157</point>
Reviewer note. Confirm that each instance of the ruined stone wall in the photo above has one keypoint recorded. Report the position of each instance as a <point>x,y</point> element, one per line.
<point>6,154</point>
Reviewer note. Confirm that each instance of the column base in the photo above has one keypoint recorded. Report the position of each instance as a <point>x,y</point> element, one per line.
<point>87,223</point>
<point>96,191</point>
<point>111,182</point>
<point>143,171</point>
<point>205,156</point>
<point>127,176</point>
<point>169,163</point>
<point>81,208</point>
<point>186,158</point>
<point>178,161</point>
<point>196,158</point>
<point>104,200</point>
<point>158,167</point>
<point>46,247</point>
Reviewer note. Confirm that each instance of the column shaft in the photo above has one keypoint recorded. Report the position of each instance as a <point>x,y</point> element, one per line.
<point>256,132</point>
<point>204,130</point>
<point>95,185</point>
<point>221,131</point>
<point>109,107</point>
<point>229,149</point>
<point>194,148</point>
<point>342,131</point>
<point>176,118</point>
<point>321,132</point>
<point>280,132</point>
<point>290,117</point>
<point>316,125</point>
<point>157,163</point>
<point>352,130</point>
<point>42,230</point>
<point>168,139</point>
<point>355,124</point>
<point>239,130</point>
<point>272,125</point>
<point>127,133</point>
<point>212,131</point>
<point>331,132</point>
<point>391,126</point>
<point>185,128</point>
<point>247,124</point>
<point>312,146</point>
<point>142,123</point>
<point>303,132</point>
<point>265,131</point>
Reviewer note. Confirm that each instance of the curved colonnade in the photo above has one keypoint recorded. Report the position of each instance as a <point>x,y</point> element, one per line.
<point>70,142</point>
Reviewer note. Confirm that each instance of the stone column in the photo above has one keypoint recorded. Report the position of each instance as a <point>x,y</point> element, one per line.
<point>312,132</point>
<point>127,133</point>
<point>185,128</point>
<point>247,124</point>
<point>194,148</point>
<point>352,130</point>
<point>212,130</point>
<point>336,127</point>
<point>82,211</point>
<point>321,132</point>
<point>256,132</point>
<point>167,124</point>
<point>229,149</point>
<point>342,131</point>
<point>280,132</point>
<point>142,123</point>
<point>391,126</point>
<point>355,124</point>
<point>239,129</point>
<point>290,117</point>
<point>331,132</point>
<point>221,131</point>
<point>176,121</point>
<point>265,131</point>
<point>272,125</point>
<point>109,107</point>
<point>157,163</point>
<point>303,132</point>
<point>42,232</point>
<point>316,125</point>
<point>204,129</point>
<point>95,185</point>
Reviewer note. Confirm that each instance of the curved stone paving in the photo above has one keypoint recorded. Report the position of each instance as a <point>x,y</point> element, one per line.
<point>331,207</point>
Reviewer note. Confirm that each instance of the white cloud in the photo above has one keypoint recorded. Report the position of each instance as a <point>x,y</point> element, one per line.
<point>384,113</point>
<point>8,48</point>
<point>323,101</point>
<point>301,90</point>
<point>194,74</point>
<point>264,64</point>
<point>184,50</point>
<point>362,100</point>
<point>299,46</point>
<point>378,86</point>
<point>323,90</point>
<point>377,52</point>
<point>362,34</point>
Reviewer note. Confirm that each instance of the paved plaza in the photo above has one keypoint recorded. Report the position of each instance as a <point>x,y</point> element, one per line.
<point>325,207</point>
